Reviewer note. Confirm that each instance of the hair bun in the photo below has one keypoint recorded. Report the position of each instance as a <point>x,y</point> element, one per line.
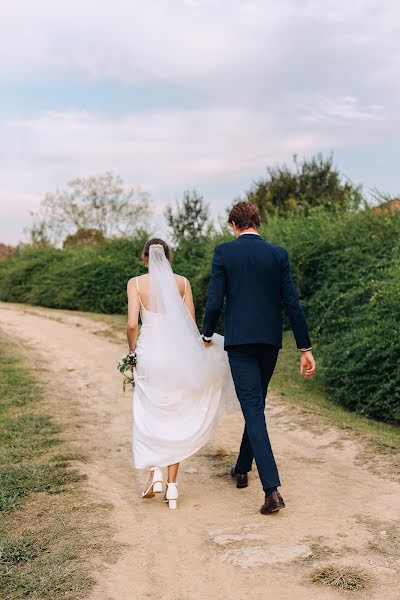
<point>156,243</point>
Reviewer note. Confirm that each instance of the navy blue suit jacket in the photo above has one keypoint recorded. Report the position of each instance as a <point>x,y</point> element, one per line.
<point>254,276</point>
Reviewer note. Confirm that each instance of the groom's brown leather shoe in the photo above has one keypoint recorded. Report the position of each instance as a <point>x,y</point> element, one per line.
<point>273,503</point>
<point>242,479</point>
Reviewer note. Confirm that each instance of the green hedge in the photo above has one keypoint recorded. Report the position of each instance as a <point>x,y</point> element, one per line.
<point>347,268</point>
<point>84,278</point>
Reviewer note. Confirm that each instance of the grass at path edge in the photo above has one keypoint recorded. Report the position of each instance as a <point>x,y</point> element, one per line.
<point>310,397</point>
<point>47,526</point>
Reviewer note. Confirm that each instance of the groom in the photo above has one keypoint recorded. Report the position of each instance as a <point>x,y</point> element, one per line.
<point>254,277</point>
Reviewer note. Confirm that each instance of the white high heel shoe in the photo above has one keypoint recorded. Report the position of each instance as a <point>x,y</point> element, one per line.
<point>171,495</point>
<point>156,483</point>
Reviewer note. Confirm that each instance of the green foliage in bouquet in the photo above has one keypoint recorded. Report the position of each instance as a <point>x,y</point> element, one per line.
<point>126,365</point>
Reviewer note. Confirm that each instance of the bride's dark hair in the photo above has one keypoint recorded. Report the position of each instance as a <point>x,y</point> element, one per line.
<point>153,241</point>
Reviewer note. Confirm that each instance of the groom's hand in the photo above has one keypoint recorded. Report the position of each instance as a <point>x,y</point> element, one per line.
<point>206,341</point>
<point>307,364</point>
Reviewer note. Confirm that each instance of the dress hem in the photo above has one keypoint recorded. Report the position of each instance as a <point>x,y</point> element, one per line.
<point>179,460</point>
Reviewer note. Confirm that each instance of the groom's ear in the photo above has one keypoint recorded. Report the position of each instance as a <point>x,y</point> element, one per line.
<point>234,228</point>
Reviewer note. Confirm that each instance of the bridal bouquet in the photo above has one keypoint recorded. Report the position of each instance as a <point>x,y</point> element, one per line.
<point>126,364</point>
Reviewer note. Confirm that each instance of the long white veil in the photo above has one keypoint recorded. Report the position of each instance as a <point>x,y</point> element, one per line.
<point>178,358</point>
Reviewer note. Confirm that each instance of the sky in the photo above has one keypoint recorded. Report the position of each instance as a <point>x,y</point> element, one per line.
<point>181,94</point>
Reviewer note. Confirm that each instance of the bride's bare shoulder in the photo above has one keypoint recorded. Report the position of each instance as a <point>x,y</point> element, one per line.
<point>181,279</point>
<point>134,281</point>
<point>183,284</point>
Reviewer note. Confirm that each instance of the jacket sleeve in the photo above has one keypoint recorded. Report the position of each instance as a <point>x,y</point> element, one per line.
<point>292,305</point>
<point>216,294</point>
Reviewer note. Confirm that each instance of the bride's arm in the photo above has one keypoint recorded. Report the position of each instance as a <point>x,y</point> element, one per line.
<point>133,314</point>
<point>189,301</point>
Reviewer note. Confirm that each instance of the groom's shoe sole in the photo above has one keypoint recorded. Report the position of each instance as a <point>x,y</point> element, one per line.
<point>272,504</point>
<point>271,510</point>
<point>242,480</point>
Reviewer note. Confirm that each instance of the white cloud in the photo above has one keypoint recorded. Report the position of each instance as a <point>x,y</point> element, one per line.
<point>189,42</point>
<point>157,149</point>
<point>346,108</point>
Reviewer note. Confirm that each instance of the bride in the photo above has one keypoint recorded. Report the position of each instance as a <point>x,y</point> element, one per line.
<point>181,387</point>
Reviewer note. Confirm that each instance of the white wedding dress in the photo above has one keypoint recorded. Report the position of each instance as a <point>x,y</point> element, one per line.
<point>181,388</point>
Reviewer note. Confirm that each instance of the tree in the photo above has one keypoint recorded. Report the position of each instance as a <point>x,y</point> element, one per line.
<point>191,218</point>
<point>38,234</point>
<point>83,237</point>
<point>101,203</point>
<point>313,182</point>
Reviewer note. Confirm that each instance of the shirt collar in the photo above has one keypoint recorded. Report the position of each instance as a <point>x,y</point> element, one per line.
<point>249,233</point>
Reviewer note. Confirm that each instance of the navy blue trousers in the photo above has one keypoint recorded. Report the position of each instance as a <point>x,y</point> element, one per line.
<point>252,366</point>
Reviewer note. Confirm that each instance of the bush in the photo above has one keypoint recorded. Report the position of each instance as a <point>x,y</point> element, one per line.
<point>362,367</point>
<point>347,268</point>
<point>83,278</point>
<point>20,274</point>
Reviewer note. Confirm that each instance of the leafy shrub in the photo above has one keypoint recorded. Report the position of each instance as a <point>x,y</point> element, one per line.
<point>83,278</point>
<point>362,366</point>
<point>347,268</point>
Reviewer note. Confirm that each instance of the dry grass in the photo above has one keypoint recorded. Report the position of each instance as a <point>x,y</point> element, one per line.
<point>221,453</point>
<point>341,577</point>
<point>319,551</point>
<point>220,461</point>
<point>385,536</point>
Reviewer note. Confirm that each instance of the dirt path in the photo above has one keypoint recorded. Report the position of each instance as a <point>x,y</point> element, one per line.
<point>216,545</point>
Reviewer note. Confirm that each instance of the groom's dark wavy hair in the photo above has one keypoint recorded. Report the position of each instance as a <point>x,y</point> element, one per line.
<point>245,215</point>
<point>147,245</point>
